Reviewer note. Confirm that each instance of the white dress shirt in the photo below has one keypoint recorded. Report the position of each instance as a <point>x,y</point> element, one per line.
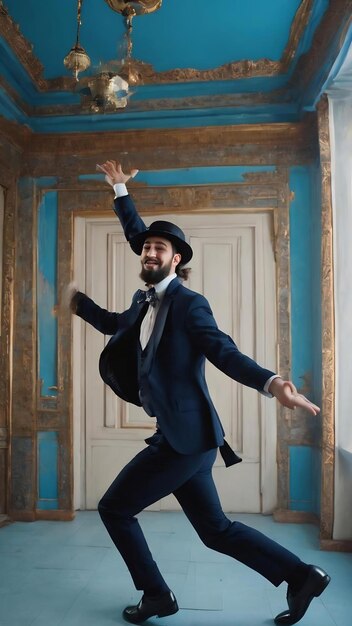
<point>148,321</point>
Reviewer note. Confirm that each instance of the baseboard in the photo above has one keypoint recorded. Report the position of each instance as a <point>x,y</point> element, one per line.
<point>4,520</point>
<point>55,515</point>
<point>336,545</point>
<point>286,516</point>
<point>22,516</point>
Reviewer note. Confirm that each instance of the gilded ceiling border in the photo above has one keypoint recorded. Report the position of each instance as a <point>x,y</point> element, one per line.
<point>327,43</point>
<point>222,101</point>
<point>328,330</point>
<point>10,31</point>
<point>229,71</point>
<point>298,27</point>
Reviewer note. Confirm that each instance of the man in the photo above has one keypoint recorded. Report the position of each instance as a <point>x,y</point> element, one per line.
<point>155,359</point>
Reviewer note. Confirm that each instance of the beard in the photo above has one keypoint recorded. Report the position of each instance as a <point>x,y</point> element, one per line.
<point>152,277</point>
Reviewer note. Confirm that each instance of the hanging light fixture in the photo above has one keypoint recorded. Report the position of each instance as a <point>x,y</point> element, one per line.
<point>77,59</point>
<point>130,9</point>
<point>110,88</point>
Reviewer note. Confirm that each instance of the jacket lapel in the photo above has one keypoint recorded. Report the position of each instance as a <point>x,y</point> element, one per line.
<point>161,317</point>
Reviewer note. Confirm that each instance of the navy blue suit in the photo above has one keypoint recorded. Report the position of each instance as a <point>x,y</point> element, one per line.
<point>169,378</point>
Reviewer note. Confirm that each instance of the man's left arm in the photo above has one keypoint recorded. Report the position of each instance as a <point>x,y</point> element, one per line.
<point>221,350</point>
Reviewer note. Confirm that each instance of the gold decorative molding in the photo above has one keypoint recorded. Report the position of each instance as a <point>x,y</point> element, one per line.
<point>206,198</point>
<point>8,169</point>
<point>223,101</point>
<point>71,154</point>
<point>298,27</point>
<point>282,256</point>
<point>234,70</point>
<point>328,329</point>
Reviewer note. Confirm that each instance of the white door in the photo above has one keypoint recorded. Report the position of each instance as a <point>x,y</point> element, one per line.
<point>233,267</point>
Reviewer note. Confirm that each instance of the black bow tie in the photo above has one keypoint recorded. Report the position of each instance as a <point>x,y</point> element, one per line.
<point>149,296</point>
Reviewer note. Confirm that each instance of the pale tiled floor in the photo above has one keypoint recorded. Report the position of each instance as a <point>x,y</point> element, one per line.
<point>69,574</point>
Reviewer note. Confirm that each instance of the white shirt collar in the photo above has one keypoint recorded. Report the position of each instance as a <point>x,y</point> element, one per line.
<point>161,287</point>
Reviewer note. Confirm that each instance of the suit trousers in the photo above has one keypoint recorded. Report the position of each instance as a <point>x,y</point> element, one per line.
<point>158,471</point>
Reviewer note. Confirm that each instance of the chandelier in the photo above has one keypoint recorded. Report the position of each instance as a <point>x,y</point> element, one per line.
<point>111,87</point>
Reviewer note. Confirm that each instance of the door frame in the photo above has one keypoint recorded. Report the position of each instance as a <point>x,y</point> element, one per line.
<point>268,425</point>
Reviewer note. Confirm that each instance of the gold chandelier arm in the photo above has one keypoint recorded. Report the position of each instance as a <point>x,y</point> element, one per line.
<point>128,35</point>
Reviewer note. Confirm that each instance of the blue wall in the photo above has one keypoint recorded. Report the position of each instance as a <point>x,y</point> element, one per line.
<point>47,455</point>
<point>47,293</point>
<point>47,441</point>
<point>305,240</point>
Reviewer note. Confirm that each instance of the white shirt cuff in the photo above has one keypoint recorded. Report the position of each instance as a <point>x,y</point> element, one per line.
<point>266,391</point>
<point>120,190</point>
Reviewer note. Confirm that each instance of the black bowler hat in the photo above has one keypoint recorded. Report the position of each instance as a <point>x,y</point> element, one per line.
<point>167,230</point>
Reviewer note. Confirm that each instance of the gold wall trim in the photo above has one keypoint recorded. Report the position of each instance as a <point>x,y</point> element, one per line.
<point>8,170</point>
<point>328,328</point>
<point>71,154</point>
<point>282,256</point>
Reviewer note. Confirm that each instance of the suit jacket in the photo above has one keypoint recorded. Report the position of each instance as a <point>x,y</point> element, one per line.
<point>172,367</point>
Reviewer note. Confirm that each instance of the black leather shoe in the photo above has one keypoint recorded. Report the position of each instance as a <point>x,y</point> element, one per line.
<point>299,602</point>
<point>162,605</point>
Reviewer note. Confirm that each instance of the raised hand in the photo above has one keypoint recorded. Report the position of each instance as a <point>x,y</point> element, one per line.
<point>287,395</point>
<point>113,172</point>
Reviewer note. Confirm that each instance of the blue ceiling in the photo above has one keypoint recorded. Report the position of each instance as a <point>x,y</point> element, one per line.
<point>197,34</point>
<point>180,34</point>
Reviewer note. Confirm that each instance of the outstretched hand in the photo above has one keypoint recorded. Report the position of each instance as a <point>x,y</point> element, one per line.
<point>68,295</point>
<point>287,395</point>
<point>114,174</point>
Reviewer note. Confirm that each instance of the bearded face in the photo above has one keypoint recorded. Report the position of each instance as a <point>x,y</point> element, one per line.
<point>158,260</point>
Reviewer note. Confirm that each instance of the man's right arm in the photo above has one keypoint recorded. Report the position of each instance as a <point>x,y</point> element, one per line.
<point>103,320</point>
<point>124,207</point>
<point>125,210</point>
